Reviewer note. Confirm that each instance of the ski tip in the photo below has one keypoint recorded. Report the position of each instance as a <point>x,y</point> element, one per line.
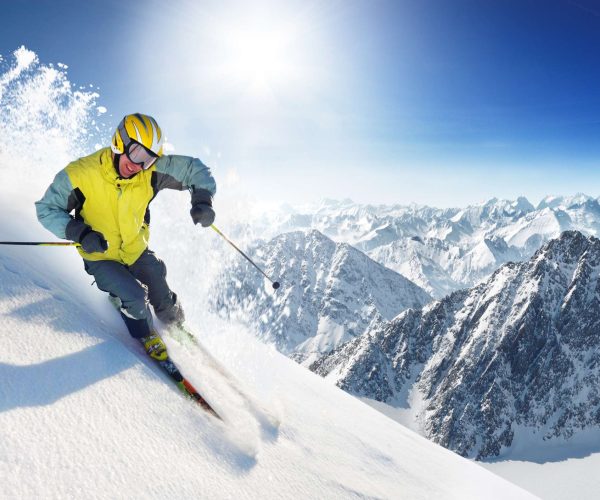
<point>195,395</point>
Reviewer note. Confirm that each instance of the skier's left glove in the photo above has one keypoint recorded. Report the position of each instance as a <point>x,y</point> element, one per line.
<point>202,211</point>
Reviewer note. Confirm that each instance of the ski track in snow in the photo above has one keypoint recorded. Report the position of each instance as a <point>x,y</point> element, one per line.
<point>53,312</point>
<point>31,298</point>
<point>245,424</point>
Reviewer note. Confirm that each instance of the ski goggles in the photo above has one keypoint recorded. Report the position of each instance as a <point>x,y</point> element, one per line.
<point>138,154</point>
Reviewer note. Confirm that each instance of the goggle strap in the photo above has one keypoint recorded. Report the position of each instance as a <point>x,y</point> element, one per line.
<point>124,136</point>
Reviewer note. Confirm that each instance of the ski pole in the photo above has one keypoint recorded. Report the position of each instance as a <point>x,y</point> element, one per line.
<point>42,243</point>
<point>275,283</point>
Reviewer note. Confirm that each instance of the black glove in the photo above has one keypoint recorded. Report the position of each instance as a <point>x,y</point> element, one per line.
<point>202,213</point>
<point>91,241</point>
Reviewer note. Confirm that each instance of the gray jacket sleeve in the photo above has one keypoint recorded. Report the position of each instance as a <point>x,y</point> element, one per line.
<point>184,172</point>
<point>54,207</point>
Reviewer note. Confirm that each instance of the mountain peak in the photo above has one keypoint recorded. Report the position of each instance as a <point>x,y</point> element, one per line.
<point>570,245</point>
<point>333,293</point>
<point>564,202</point>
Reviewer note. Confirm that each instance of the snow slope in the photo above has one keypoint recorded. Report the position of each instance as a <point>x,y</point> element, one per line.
<point>83,412</point>
<point>566,479</point>
<point>572,472</point>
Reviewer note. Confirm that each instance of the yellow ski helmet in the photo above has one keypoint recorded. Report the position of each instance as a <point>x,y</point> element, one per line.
<point>142,129</point>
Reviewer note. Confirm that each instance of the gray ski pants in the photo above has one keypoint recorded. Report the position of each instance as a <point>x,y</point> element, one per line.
<point>138,285</point>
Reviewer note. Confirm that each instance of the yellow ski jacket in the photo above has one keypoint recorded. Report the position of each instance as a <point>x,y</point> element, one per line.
<point>116,207</point>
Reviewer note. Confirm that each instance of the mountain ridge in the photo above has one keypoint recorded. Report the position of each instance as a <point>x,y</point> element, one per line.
<point>452,238</point>
<point>521,347</point>
<point>331,292</point>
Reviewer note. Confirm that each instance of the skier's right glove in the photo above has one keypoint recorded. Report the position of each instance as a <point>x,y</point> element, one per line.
<point>91,241</point>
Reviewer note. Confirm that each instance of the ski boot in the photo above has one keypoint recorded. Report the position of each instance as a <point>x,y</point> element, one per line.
<point>155,347</point>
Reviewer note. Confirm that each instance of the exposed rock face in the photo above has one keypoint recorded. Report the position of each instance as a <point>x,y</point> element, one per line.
<point>520,350</point>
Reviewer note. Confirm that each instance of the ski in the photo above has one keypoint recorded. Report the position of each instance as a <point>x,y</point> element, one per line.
<point>186,387</point>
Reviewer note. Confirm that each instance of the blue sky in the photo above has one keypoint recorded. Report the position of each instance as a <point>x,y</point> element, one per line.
<point>440,102</point>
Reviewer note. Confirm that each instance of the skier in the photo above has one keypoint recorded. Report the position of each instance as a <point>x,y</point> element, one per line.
<point>109,192</point>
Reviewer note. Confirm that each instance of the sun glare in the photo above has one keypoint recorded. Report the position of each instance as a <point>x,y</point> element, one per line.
<point>264,56</point>
<point>259,58</point>
<point>258,52</point>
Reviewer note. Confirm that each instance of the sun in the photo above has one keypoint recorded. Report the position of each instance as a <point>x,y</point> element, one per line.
<point>259,58</point>
<point>260,52</point>
<point>263,58</point>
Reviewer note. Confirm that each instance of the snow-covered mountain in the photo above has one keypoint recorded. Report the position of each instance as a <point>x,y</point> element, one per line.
<point>514,359</point>
<point>331,292</point>
<point>85,413</point>
<point>443,250</point>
